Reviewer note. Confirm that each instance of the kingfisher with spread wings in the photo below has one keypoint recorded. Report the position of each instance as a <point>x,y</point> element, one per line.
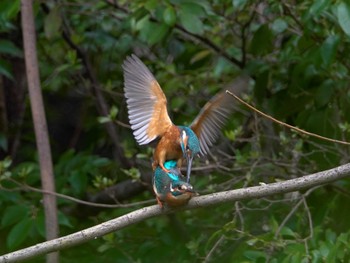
<point>149,118</point>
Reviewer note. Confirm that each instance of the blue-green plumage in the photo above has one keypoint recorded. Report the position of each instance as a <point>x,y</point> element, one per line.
<point>192,141</point>
<point>171,187</point>
<point>190,147</point>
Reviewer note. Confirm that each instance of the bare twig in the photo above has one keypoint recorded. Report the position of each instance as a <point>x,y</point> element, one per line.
<point>25,187</point>
<point>212,250</point>
<point>208,43</point>
<point>285,124</point>
<point>142,214</point>
<point>40,126</point>
<point>309,217</point>
<point>301,201</point>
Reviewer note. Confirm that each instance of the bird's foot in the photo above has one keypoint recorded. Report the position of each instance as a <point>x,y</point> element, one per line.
<point>163,168</point>
<point>160,203</point>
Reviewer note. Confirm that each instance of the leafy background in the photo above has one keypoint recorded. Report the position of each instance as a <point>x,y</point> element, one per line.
<point>296,52</point>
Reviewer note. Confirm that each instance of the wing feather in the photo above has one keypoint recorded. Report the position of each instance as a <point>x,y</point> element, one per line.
<point>213,116</point>
<point>146,102</point>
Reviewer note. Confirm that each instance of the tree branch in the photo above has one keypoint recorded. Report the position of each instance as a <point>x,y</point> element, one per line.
<point>40,126</point>
<point>139,215</point>
<point>286,124</point>
<point>210,44</point>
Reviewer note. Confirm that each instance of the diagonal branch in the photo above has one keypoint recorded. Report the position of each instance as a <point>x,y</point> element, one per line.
<point>211,45</point>
<point>286,124</point>
<point>142,214</point>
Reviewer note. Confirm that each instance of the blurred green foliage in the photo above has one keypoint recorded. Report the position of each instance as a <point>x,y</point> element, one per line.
<point>297,55</point>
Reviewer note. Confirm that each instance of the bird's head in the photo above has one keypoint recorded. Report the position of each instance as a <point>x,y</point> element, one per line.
<point>179,193</point>
<point>180,187</point>
<point>190,147</point>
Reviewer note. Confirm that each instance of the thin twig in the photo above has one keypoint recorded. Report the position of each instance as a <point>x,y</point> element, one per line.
<point>301,201</point>
<point>309,217</point>
<point>24,187</point>
<point>285,124</point>
<point>212,250</point>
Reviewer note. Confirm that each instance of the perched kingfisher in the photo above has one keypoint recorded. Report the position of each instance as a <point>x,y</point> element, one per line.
<point>149,118</point>
<point>170,187</point>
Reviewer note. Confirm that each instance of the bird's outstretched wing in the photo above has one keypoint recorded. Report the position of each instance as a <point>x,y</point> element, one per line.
<point>213,116</point>
<point>147,104</point>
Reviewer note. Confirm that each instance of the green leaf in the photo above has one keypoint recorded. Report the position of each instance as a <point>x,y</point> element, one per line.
<point>103,119</point>
<point>143,23</point>
<point>199,56</point>
<point>100,162</point>
<point>19,233</point>
<point>169,16</point>
<point>239,4</point>
<point>151,32</point>
<point>13,214</point>
<point>39,223</point>
<point>254,255</point>
<point>113,112</point>
<point>343,15</point>
<point>315,9</point>
<point>134,173</point>
<point>343,238</point>
<point>279,25</point>
<point>221,67</point>
<point>150,5</point>
<point>262,41</point>
<point>5,69</point>
<point>324,93</point>
<point>191,23</point>
<point>52,23</point>
<point>6,163</point>
<point>286,231</point>
<point>192,8</point>
<point>78,181</point>
<point>329,49</point>
<point>7,47</point>
<point>64,220</point>
<point>157,34</point>
<point>9,9</point>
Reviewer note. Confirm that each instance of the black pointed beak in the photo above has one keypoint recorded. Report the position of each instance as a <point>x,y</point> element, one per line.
<point>189,166</point>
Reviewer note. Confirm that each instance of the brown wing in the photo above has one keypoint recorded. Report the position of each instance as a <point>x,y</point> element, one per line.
<point>147,104</point>
<point>214,114</point>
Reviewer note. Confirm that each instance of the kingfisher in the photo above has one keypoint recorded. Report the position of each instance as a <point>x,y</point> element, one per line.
<point>149,118</point>
<point>170,187</point>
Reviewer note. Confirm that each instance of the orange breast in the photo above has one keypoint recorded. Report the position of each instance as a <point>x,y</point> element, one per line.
<point>168,147</point>
<point>179,200</point>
